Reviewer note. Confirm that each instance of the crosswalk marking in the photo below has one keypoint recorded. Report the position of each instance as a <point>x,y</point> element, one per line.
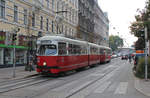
<point>112,87</point>
<point>122,88</point>
<point>102,88</point>
<point>36,87</point>
<point>80,87</point>
<point>61,88</point>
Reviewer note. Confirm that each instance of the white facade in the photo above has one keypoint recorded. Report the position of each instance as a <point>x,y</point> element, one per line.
<point>101,27</point>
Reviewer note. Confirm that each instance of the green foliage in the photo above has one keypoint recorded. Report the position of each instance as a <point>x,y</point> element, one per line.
<point>140,69</point>
<point>137,27</point>
<point>115,42</point>
<point>140,44</point>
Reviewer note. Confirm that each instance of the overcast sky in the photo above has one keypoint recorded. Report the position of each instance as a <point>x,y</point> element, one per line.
<point>121,13</point>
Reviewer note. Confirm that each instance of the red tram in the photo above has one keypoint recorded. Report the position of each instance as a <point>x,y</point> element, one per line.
<point>58,54</point>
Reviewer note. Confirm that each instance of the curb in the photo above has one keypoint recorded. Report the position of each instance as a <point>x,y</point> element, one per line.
<point>31,75</point>
<point>137,87</point>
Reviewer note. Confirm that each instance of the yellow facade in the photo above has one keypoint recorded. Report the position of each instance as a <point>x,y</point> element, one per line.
<point>41,8</point>
<point>18,16</point>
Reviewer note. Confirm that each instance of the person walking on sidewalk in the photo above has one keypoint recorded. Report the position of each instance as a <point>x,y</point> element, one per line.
<point>130,58</point>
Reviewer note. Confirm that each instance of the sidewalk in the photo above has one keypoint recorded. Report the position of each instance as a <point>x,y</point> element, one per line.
<point>7,73</point>
<point>142,86</point>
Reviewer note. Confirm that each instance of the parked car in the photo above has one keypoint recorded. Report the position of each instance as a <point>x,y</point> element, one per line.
<point>114,56</point>
<point>124,57</point>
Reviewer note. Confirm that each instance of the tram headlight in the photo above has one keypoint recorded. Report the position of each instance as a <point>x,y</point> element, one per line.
<point>44,64</point>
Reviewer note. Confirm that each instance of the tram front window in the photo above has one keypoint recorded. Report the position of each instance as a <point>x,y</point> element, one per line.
<point>47,50</point>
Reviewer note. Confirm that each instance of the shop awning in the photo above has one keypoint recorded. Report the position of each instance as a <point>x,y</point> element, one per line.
<point>12,46</point>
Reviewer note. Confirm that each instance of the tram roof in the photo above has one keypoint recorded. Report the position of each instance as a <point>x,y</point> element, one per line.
<point>62,39</point>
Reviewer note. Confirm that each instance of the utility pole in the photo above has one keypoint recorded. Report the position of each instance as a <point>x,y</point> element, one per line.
<point>14,38</point>
<point>146,53</point>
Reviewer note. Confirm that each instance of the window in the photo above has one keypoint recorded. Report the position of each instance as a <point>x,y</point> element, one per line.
<point>41,23</point>
<point>62,30</point>
<point>47,24</point>
<point>48,3</point>
<point>25,16</point>
<point>102,51</point>
<point>33,20</point>
<point>52,26</point>
<point>74,49</point>
<point>57,28</point>
<point>47,50</point>
<point>62,48</point>
<point>53,4</point>
<point>58,4</point>
<point>83,50</point>
<point>15,13</point>
<point>93,50</point>
<point>2,8</point>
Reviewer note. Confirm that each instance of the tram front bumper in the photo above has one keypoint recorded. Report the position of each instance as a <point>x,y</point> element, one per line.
<point>48,69</point>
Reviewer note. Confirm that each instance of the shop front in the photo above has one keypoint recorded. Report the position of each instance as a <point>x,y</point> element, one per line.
<point>1,56</point>
<point>7,50</point>
<point>6,55</point>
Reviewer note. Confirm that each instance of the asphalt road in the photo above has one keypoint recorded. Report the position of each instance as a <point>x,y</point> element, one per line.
<point>111,80</point>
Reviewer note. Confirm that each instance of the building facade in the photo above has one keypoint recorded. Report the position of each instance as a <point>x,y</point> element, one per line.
<point>101,27</point>
<point>85,29</point>
<point>34,18</point>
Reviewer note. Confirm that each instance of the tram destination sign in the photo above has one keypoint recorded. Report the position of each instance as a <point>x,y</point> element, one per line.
<point>46,41</point>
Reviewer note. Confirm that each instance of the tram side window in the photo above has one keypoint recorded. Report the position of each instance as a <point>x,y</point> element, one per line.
<point>70,51</point>
<point>83,50</point>
<point>94,50</point>
<point>47,50</point>
<point>91,50</point>
<point>102,51</point>
<point>74,49</point>
<point>106,51</point>
<point>77,49</point>
<point>62,48</point>
<point>109,52</point>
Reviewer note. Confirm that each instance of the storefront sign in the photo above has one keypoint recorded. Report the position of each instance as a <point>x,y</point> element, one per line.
<point>22,40</point>
<point>2,37</point>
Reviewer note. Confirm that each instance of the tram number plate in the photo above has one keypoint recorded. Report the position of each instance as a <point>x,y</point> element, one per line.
<point>46,41</point>
<point>45,70</point>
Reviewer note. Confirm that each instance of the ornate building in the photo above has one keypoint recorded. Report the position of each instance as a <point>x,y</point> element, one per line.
<point>34,18</point>
<point>86,20</point>
<point>101,27</point>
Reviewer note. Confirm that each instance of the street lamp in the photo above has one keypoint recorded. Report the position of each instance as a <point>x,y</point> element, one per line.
<point>146,52</point>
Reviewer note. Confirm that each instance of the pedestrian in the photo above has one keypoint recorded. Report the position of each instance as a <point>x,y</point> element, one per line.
<point>31,63</point>
<point>130,58</point>
<point>135,63</point>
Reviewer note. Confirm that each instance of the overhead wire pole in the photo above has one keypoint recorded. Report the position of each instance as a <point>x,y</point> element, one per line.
<point>14,60</point>
<point>146,48</point>
<point>14,38</point>
<point>146,52</point>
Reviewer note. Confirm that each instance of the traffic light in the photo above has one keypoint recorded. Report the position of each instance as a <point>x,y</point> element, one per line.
<point>14,36</point>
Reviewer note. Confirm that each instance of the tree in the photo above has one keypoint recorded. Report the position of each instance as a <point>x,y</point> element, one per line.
<point>137,27</point>
<point>115,42</point>
<point>140,44</point>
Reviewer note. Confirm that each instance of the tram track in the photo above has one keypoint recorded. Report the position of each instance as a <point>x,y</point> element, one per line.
<point>78,89</point>
<point>21,83</point>
<point>87,85</point>
<point>26,82</point>
<point>101,78</point>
